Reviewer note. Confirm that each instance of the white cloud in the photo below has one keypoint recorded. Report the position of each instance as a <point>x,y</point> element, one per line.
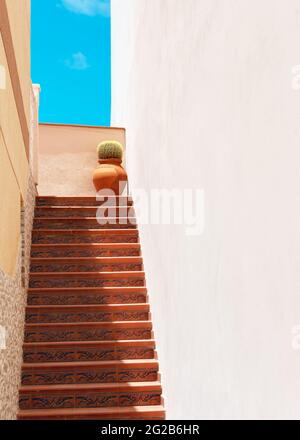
<point>78,61</point>
<point>87,7</point>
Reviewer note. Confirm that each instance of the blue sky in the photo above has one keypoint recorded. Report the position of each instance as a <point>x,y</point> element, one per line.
<point>70,59</point>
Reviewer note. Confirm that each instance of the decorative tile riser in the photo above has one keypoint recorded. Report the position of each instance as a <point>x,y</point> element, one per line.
<point>56,252</point>
<point>54,201</point>
<point>41,238</point>
<point>34,318</point>
<point>87,212</point>
<point>42,400</point>
<point>94,375</point>
<point>85,298</point>
<point>83,224</point>
<point>92,334</point>
<point>86,267</point>
<point>86,354</point>
<point>87,282</point>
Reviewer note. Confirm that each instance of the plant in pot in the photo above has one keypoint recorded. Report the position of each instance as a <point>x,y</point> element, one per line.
<point>110,175</point>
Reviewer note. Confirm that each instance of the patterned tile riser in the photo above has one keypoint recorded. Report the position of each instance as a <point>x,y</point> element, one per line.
<point>95,375</point>
<point>80,202</point>
<point>88,282</point>
<point>84,298</point>
<point>90,400</point>
<point>92,354</point>
<point>88,267</point>
<point>84,224</point>
<point>56,335</point>
<point>56,252</point>
<point>93,212</point>
<point>33,318</point>
<point>12,313</point>
<point>41,238</point>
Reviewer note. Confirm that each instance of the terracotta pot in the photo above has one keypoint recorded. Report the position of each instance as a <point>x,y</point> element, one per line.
<point>110,175</point>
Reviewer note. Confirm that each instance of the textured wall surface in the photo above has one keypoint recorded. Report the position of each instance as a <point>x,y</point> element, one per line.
<point>12,309</point>
<point>67,157</point>
<point>204,89</point>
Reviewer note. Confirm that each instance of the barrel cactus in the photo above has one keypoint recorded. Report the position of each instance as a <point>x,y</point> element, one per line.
<point>110,150</point>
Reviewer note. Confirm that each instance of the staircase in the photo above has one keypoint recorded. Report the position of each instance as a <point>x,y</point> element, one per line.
<point>89,351</point>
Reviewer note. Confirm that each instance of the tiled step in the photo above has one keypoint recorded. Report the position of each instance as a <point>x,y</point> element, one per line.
<point>83,223</point>
<point>90,313</point>
<point>155,412</point>
<point>88,351</point>
<point>85,250</point>
<point>84,211</point>
<point>86,264</point>
<point>85,351</point>
<point>90,395</point>
<point>88,331</point>
<point>86,279</point>
<point>90,372</point>
<point>45,236</point>
<point>82,201</point>
<point>95,295</point>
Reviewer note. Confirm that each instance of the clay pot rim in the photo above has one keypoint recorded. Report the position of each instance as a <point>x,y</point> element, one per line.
<point>111,160</point>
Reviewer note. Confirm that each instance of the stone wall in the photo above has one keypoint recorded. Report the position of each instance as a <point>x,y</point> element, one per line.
<point>12,309</point>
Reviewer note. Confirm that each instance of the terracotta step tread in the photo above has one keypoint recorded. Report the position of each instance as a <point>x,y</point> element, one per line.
<point>104,290</point>
<point>136,386</point>
<point>119,324</point>
<point>128,259</point>
<point>123,274</point>
<point>84,197</point>
<point>130,411</point>
<point>116,231</point>
<point>83,207</point>
<point>100,307</point>
<point>70,219</point>
<point>81,196</point>
<point>88,364</point>
<point>88,245</point>
<point>120,343</point>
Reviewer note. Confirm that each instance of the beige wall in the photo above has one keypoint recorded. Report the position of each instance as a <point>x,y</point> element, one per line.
<point>9,212</point>
<point>18,114</point>
<point>19,18</point>
<point>14,170</point>
<point>67,157</point>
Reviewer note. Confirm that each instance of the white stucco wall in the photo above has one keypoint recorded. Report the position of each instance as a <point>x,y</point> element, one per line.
<point>204,89</point>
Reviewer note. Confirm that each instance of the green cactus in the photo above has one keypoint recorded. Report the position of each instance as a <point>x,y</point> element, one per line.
<point>110,150</point>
